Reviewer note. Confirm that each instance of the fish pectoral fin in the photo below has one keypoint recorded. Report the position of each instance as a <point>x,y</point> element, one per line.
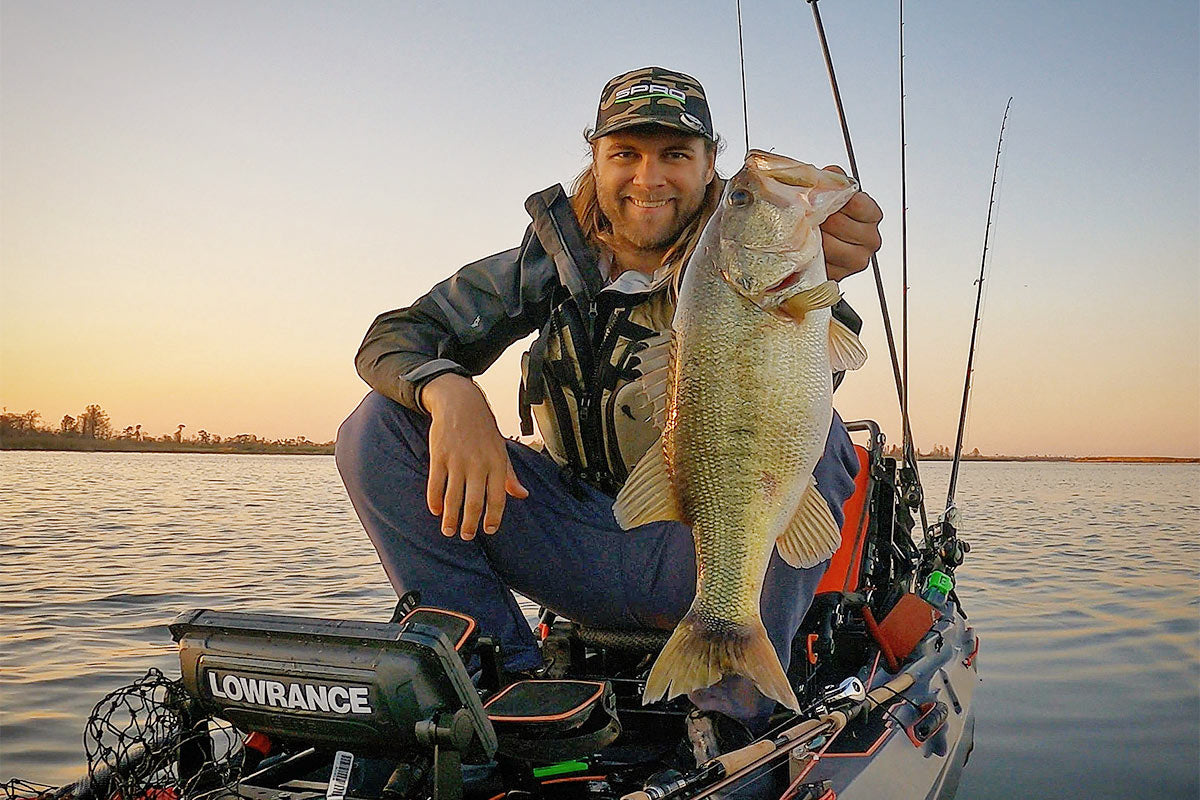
<point>823,295</point>
<point>813,534</point>
<point>647,495</point>
<point>654,364</point>
<point>846,350</point>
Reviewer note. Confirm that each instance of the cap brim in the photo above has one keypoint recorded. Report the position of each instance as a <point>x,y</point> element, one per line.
<point>619,125</point>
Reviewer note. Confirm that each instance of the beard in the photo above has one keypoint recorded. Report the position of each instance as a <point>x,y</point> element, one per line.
<point>654,238</point>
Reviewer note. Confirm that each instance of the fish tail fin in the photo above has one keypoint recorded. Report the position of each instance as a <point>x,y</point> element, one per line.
<point>698,655</point>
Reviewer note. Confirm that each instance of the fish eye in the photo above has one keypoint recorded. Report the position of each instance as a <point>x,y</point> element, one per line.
<point>740,198</point>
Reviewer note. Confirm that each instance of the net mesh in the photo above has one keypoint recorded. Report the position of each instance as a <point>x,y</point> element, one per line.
<point>144,742</point>
<point>17,789</point>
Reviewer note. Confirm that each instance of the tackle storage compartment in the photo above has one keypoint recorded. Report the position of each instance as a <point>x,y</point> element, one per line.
<point>554,719</point>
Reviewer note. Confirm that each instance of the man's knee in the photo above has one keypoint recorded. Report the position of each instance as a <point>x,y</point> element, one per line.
<point>380,431</point>
<point>837,468</point>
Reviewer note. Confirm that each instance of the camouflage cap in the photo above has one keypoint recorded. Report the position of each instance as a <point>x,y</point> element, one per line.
<point>653,96</point>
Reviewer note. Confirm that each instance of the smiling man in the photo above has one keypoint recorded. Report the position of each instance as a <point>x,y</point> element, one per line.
<point>650,183</point>
<point>425,464</point>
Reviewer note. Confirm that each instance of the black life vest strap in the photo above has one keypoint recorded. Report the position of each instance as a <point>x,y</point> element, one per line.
<point>525,410</point>
<point>561,237</point>
<point>623,328</point>
<point>558,404</point>
<point>533,387</point>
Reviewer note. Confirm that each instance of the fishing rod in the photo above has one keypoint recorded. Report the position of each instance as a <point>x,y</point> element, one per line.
<point>907,442</point>
<point>742,61</point>
<point>946,551</point>
<point>962,416</point>
<point>913,495</point>
<point>807,735</point>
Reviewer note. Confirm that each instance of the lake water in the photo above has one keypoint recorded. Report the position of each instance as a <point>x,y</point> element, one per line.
<point>1083,584</point>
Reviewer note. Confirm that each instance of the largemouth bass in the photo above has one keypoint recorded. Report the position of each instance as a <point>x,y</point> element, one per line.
<point>743,391</point>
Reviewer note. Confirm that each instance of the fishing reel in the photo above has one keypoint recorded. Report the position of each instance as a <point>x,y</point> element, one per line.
<point>945,551</point>
<point>952,552</point>
<point>849,692</point>
<point>950,549</point>
<point>911,493</point>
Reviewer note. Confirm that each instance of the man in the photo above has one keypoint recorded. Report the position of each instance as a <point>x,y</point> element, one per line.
<point>425,464</point>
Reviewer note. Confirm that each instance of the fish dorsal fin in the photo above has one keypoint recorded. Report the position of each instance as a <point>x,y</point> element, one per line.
<point>647,495</point>
<point>654,363</point>
<point>823,295</point>
<point>845,349</point>
<point>813,534</point>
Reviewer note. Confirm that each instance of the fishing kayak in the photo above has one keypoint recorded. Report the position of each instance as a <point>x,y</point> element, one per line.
<point>284,707</point>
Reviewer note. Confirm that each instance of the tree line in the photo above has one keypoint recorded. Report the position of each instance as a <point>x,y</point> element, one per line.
<point>92,427</point>
<point>939,451</point>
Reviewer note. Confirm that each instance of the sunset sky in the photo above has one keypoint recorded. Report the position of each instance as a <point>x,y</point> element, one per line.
<point>204,205</point>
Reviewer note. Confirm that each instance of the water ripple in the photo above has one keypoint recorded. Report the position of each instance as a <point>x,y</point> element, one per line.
<point>1082,583</point>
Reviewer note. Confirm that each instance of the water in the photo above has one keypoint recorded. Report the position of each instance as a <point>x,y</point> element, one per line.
<point>1082,583</point>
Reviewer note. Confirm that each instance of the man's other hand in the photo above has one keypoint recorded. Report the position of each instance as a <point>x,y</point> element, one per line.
<point>469,470</point>
<point>851,235</point>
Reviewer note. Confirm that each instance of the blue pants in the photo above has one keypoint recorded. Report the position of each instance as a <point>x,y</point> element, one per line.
<point>563,551</point>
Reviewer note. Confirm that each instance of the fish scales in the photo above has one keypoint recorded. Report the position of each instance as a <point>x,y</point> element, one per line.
<point>750,445</point>
<point>749,404</point>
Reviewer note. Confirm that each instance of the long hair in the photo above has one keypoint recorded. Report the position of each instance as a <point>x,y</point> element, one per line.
<point>597,228</point>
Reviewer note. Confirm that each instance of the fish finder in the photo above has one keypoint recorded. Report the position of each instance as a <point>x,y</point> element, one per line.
<point>371,688</point>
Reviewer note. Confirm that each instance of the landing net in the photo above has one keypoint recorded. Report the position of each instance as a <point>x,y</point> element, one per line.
<point>143,743</point>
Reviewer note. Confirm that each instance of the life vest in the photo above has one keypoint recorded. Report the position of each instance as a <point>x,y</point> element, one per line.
<point>577,377</point>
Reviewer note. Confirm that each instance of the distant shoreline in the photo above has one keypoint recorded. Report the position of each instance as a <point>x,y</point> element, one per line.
<point>1072,459</point>
<point>1137,460</point>
<point>266,448</point>
<point>58,444</point>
